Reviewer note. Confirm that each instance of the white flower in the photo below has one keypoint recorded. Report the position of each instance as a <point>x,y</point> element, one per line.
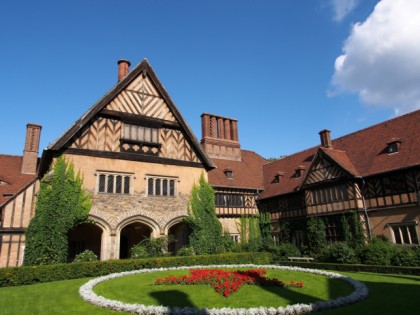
<point>361,292</point>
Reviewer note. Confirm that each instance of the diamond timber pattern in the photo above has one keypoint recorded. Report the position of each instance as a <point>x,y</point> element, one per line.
<point>141,98</point>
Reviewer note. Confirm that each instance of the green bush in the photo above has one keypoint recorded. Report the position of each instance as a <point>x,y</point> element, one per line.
<point>283,251</point>
<point>316,233</point>
<point>46,273</point>
<point>185,251</point>
<point>86,255</point>
<point>139,251</point>
<point>378,252</point>
<point>339,253</point>
<point>406,256</point>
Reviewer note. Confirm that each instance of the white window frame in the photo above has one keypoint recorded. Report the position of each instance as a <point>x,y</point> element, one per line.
<point>107,175</point>
<point>158,189</point>
<point>402,227</point>
<point>236,238</point>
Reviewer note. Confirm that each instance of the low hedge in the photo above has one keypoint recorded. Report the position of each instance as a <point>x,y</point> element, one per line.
<point>46,273</point>
<point>355,267</point>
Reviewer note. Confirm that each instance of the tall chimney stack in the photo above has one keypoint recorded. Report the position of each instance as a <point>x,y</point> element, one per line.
<point>123,68</point>
<point>30,153</point>
<point>220,137</point>
<point>325,138</point>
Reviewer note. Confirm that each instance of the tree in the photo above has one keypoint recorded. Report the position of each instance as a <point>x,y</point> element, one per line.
<point>62,204</point>
<point>316,232</point>
<point>206,231</point>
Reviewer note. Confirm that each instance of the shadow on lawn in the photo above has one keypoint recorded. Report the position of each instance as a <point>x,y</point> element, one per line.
<point>172,299</point>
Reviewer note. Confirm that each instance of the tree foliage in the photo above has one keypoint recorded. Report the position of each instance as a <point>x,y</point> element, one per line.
<point>62,204</point>
<point>316,232</point>
<point>206,236</point>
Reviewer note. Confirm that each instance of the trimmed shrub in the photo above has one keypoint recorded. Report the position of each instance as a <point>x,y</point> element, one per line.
<point>356,268</point>
<point>283,251</point>
<point>339,253</point>
<point>405,256</point>
<point>46,273</point>
<point>86,255</point>
<point>378,252</point>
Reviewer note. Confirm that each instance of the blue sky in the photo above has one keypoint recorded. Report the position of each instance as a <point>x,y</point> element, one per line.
<point>285,69</point>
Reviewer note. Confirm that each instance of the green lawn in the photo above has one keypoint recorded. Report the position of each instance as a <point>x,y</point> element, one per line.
<point>389,294</point>
<point>140,288</point>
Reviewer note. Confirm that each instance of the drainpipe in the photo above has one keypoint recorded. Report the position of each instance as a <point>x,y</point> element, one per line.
<point>365,210</point>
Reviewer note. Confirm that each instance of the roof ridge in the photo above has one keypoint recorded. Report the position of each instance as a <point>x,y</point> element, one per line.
<point>378,124</point>
<point>10,155</point>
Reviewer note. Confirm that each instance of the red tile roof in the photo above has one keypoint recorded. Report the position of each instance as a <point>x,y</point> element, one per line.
<point>247,173</point>
<point>11,179</point>
<point>362,153</point>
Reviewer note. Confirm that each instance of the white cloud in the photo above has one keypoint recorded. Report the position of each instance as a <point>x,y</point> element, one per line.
<point>381,57</point>
<point>342,7</point>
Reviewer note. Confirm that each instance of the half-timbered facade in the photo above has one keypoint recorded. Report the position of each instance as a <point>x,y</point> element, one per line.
<point>237,178</point>
<point>139,160</point>
<point>373,172</point>
<point>19,186</point>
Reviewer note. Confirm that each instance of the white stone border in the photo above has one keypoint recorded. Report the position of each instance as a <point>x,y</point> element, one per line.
<point>361,292</point>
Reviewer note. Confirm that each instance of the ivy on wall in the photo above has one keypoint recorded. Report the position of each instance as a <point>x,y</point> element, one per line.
<point>206,236</point>
<point>62,204</point>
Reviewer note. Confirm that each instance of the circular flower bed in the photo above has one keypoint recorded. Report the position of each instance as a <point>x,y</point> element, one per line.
<point>360,293</point>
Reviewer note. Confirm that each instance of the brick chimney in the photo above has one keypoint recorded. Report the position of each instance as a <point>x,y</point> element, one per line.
<point>220,137</point>
<point>123,68</point>
<point>30,153</point>
<point>325,138</point>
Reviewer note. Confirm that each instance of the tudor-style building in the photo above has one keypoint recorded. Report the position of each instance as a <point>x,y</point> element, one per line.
<point>374,171</point>
<point>139,160</point>
<point>237,178</point>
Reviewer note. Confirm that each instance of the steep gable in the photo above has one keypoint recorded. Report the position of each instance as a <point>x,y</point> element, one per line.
<point>135,120</point>
<point>328,164</point>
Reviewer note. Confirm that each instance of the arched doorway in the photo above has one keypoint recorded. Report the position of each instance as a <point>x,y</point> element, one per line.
<point>86,236</point>
<point>131,235</point>
<point>180,233</point>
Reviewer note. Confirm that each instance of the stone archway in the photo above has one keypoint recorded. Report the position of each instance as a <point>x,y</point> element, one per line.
<point>181,232</point>
<point>131,235</point>
<point>86,236</point>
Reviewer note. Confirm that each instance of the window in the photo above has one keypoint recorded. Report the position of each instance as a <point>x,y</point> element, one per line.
<point>298,238</point>
<point>161,186</point>
<point>277,177</point>
<point>404,233</point>
<point>330,194</point>
<point>393,145</point>
<point>229,200</point>
<point>114,183</point>
<point>235,238</point>
<point>299,171</point>
<point>140,133</point>
<point>229,173</point>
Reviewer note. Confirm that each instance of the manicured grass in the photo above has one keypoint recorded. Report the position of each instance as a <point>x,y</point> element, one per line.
<point>140,288</point>
<point>389,294</point>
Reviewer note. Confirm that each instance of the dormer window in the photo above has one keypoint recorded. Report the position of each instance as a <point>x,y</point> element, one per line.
<point>278,177</point>
<point>394,145</point>
<point>299,171</point>
<point>229,173</point>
